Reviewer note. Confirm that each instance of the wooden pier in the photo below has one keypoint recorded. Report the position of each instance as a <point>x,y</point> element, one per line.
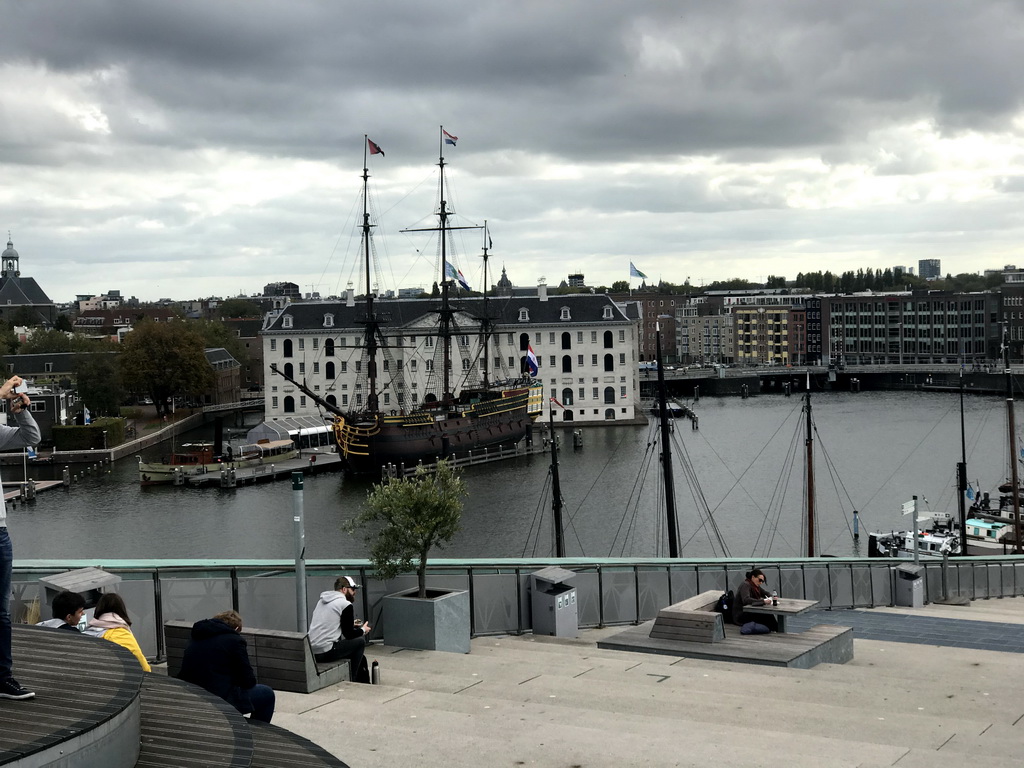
<point>228,477</point>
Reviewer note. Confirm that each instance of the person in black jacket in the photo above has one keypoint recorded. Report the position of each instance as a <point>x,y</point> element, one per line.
<point>217,659</point>
<point>752,592</point>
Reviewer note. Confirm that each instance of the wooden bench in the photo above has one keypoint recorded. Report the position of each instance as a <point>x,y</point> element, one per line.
<point>693,620</point>
<point>283,660</point>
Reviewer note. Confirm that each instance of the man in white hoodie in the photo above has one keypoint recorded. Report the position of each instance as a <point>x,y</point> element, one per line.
<point>333,631</point>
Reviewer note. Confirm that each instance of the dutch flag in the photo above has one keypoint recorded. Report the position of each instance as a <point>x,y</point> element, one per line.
<point>531,360</point>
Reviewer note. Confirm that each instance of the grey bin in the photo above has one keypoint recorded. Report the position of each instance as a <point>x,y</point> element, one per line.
<point>909,586</point>
<point>88,582</point>
<point>555,610</point>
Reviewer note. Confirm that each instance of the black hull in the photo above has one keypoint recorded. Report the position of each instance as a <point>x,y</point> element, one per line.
<point>403,445</point>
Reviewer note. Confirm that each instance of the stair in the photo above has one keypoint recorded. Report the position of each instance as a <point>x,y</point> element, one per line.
<point>94,706</point>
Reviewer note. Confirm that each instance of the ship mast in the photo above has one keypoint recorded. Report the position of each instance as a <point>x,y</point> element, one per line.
<point>809,442</point>
<point>370,336</point>
<point>446,313</point>
<point>1011,425</point>
<point>486,324</point>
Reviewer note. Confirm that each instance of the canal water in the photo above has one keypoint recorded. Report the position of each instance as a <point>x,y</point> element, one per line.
<point>738,479</point>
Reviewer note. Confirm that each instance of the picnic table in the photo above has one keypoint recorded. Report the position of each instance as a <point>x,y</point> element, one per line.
<point>787,607</point>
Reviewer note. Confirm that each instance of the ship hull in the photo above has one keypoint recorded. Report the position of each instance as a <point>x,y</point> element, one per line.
<point>368,446</point>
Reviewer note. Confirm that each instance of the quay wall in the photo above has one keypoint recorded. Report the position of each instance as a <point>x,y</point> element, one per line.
<point>610,591</point>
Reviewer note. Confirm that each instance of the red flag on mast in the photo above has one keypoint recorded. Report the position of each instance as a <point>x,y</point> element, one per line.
<point>374,149</point>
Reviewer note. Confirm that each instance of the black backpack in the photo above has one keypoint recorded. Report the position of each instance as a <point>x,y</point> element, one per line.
<point>362,672</point>
<point>724,606</point>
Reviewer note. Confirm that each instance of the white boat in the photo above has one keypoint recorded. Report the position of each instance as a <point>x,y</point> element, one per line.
<point>936,536</point>
<point>199,459</point>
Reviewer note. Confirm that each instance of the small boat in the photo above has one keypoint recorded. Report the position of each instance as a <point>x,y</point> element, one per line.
<point>938,537</point>
<point>200,458</point>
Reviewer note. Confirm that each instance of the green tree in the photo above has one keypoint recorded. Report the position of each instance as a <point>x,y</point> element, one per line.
<point>25,317</point>
<point>216,334</point>
<point>620,286</point>
<point>99,382</point>
<point>52,340</point>
<point>239,308</point>
<point>410,516</point>
<point>62,323</point>
<point>164,360</point>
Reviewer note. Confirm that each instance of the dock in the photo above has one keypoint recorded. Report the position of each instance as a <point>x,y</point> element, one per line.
<point>228,477</point>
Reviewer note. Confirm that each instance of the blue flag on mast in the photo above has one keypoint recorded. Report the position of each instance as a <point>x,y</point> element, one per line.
<point>634,272</point>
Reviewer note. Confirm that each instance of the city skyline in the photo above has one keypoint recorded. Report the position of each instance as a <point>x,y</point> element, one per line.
<point>201,149</point>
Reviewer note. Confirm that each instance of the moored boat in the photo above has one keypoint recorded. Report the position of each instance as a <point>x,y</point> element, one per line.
<point>442,423</point>
<point>200,458</point>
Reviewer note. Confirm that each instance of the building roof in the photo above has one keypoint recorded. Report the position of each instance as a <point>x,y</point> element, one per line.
<point>504,311</point>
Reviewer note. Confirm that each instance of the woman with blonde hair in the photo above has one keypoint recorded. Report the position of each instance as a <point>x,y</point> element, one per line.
<point>111,622</point>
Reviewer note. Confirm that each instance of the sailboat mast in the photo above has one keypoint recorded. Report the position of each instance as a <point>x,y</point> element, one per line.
<point>487,318</point>
<point>666,453</point>
<point>445,324</point>
<point>809,442</point>
<point>556,491</point>
<point>961,472</point>
<point>371,327</point>
<point>1011,425</point>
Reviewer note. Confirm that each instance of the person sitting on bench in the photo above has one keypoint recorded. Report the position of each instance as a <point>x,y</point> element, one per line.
<point>333,632</point>
<point>67,608</point>
<point>752,592</point>
<point>217,659</point>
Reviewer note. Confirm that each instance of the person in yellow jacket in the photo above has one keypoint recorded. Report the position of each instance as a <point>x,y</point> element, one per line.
<point>110,621</point>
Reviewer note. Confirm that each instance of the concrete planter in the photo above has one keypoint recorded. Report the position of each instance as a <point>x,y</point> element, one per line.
<point>438,622</point>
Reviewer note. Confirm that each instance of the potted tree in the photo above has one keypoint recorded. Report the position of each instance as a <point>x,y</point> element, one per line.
<point>406,518</point>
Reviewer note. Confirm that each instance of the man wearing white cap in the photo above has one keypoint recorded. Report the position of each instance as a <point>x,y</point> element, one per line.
<point>333,631</point>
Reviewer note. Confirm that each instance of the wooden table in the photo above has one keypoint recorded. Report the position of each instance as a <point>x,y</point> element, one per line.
<point>787,607</point>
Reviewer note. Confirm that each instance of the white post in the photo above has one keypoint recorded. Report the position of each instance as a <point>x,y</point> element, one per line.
<point>300,554</point>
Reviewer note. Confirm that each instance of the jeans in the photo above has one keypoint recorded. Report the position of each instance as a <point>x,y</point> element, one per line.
<point>6,564</point>
<point>344,648</point>
<point>261,702</point>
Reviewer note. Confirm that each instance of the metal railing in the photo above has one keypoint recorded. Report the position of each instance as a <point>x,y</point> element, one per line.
<point>610,591</point>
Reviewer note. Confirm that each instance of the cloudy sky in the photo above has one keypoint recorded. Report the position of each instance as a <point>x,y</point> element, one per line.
<point>207,147</point>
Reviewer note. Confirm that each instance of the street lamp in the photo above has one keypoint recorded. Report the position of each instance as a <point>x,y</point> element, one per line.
<point>104,439</point>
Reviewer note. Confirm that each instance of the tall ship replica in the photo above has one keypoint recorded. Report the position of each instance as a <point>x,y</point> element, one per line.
<point>441,423</point>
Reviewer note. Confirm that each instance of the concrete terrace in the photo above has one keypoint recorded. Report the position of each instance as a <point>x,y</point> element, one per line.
<point>905,700</point>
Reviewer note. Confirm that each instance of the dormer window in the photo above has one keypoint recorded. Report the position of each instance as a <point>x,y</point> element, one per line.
<point>286,321</point>
<point>607,313</point>
<point>328,321</point>
<point>524,315</point>
<point>565,314</point>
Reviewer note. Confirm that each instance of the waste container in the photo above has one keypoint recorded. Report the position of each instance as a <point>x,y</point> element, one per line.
<point>909,586</point>
<point>88,582</point>
<point>555,611</point>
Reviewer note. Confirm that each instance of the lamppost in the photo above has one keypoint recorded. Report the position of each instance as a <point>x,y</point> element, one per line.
<point>104,439</point>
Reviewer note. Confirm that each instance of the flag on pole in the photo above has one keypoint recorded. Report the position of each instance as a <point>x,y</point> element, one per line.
<point>30,452</point>
<point>375,148</point>
<point>555,401</point>
<point>455,274</point>
<point>970,493</point>
<point>634,272</point>
<point>531,360</point>
<point>448,138</point>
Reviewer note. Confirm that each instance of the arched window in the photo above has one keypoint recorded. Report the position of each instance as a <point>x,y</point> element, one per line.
<point>566,415</point>
<point>524,341</point>
<point>288,370</point>
<point>466,362</point>
<point>328,320</point>
<point>332,400</point>
<point>289,404</point>
<point>524,315</point>
<point>567,397</point>
<point>566,340</point>
<point>609,396</point>
<point>287,347</point>
<point>566,363</point>
<point>329,347</point>
<point>609,414</point>
<point>609,362</point>
<point>329,369</point>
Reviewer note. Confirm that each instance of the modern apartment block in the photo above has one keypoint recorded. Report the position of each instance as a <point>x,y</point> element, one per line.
<point>929,269</point>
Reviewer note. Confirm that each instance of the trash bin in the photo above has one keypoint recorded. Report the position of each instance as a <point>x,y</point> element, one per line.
<point>909,586</point>
<point>555,611</point>
<point>88,582</point>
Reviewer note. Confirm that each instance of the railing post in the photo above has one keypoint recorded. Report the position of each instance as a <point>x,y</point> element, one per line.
<point>158,617</point>
<point>234,590</point>
<point>472,611</point>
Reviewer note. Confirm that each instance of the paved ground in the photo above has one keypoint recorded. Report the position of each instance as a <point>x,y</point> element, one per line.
<point>919,692</point>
